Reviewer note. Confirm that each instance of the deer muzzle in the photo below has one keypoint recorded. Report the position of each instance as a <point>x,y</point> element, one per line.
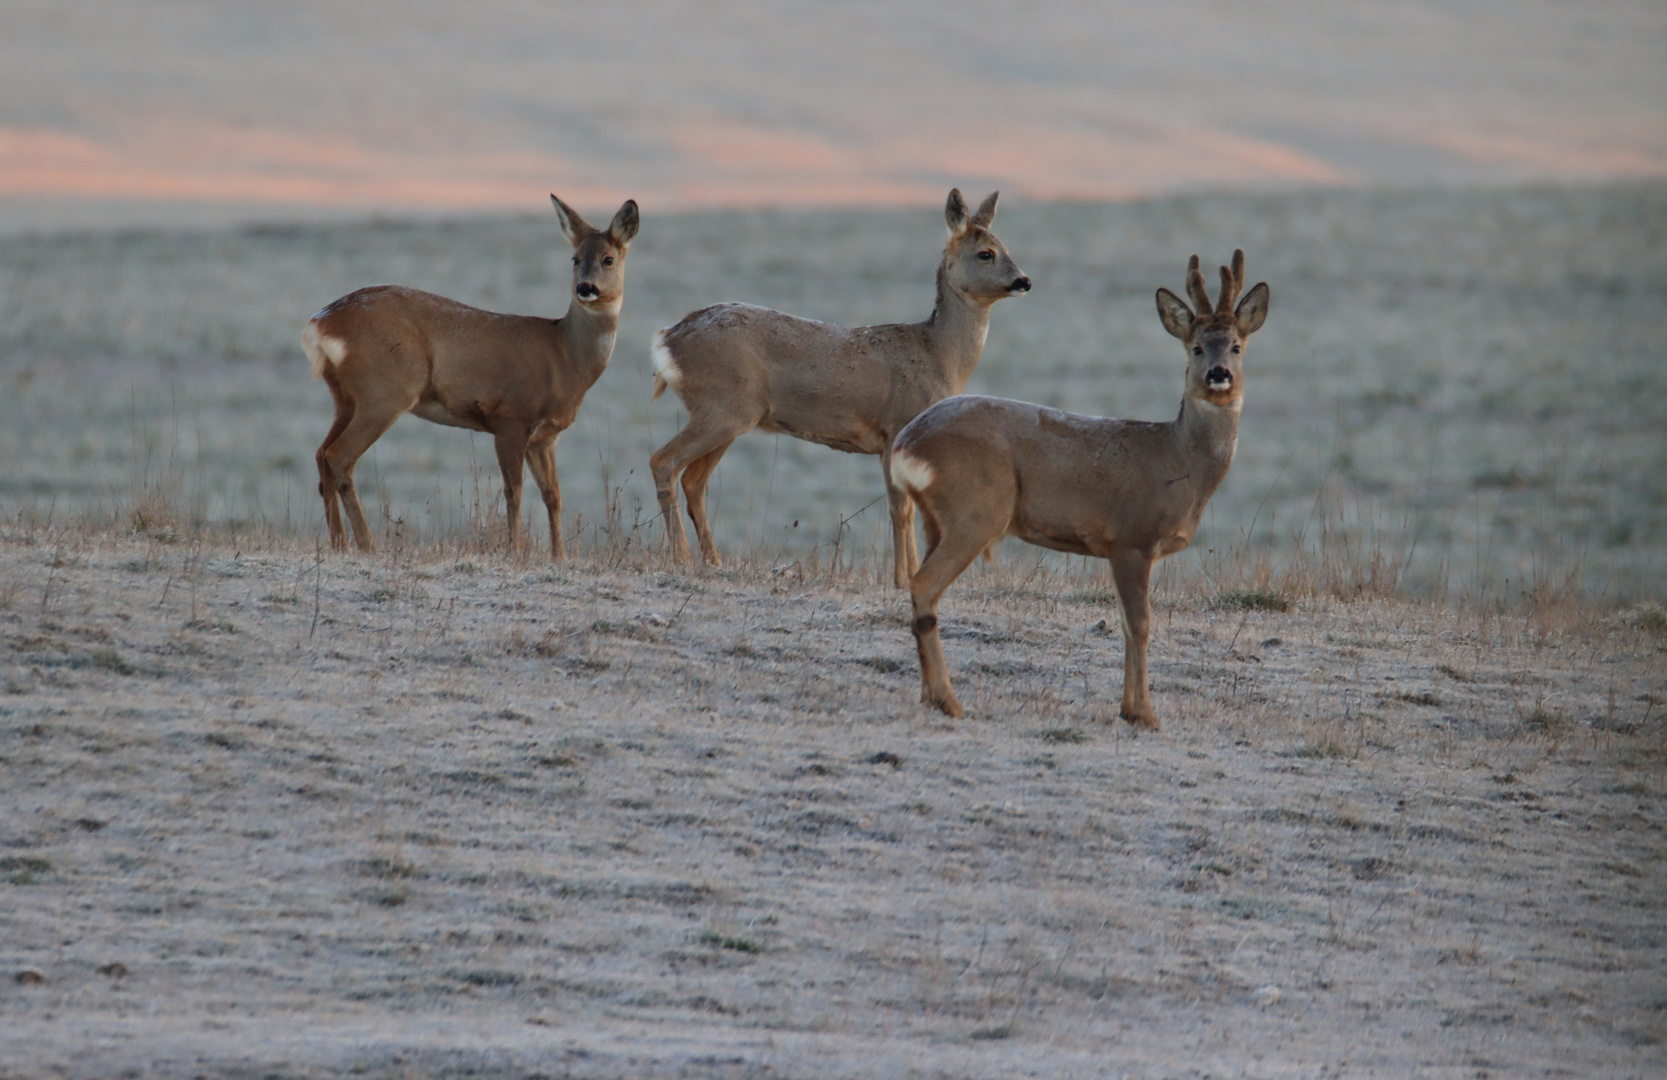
<point>1019,285</point>
<point>586,291</point>
<point>1218,379</point>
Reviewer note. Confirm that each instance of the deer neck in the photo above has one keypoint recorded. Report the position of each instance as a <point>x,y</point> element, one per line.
<point>1208,435</point>
<point>586,339</point>
<point>955,333</point>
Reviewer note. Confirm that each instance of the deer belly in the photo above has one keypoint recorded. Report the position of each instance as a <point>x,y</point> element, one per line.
<point>435,412</point>
<point>1065,540</point>
<point>869,441</point>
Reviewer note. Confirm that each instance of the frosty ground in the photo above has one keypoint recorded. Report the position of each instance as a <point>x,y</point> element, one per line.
<point>431,814</point>
<point>1468,380</point>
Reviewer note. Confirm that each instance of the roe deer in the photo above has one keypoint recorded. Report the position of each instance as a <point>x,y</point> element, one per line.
<point>737,367</point>
<point>388,350</point>
<point>1128,491</point>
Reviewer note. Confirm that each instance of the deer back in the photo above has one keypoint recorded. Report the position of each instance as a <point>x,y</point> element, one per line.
<point>1067,481</point>
<point>846,387</point>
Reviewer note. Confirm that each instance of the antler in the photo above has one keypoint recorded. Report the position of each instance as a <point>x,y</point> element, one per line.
<point>1195,288</point>
<point>1232,281</point>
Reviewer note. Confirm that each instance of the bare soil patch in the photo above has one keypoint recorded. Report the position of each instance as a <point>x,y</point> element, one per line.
<point>266,815</point>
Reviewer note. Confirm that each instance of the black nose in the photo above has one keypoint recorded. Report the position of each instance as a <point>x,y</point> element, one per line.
<point>1020,285</point>
<point>587,291</point>
<point>1218,378</point>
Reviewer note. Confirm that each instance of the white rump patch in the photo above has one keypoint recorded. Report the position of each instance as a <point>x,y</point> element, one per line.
<point>334,347</point>
<point>911,474</point>
<point>321,348</point>
<point>665,365</point>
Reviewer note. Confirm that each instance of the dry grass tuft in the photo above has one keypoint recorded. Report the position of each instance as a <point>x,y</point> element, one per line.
<point>1648,618</point>
<point>1257,600</point>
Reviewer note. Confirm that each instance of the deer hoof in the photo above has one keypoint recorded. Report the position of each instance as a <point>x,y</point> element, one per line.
<point>947,704</point>
<point>1140,718</point>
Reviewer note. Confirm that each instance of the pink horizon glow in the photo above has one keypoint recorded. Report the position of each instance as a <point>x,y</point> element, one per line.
<point>718,163</point>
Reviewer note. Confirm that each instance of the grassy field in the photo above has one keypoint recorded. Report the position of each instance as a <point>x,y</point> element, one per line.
<point>1467,383</point>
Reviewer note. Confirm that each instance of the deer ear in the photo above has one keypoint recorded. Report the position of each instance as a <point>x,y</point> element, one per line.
<point>1253,309</point>
<point>1176,316</point>
<point>955,212</point>
<point>573,226</point>
<point>624,227</point>
<point>986,211</point>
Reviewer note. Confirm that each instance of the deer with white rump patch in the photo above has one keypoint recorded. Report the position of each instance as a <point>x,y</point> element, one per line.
<point>738,367</point>
<point>1127,491</point>
<point>388,350</point>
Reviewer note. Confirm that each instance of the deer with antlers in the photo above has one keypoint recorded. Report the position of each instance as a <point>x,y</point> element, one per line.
<point>1127,491</point>
<point>737,367</point>
<point>388,350</point>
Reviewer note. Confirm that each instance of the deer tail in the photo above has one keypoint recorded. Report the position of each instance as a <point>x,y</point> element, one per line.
<point>665,365</point>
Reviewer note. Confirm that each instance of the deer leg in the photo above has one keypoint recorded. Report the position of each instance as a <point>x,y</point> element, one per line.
<point>929,525</point>
<point>672,459</point>
<point>511,445</point>
<point>327,478</point>
<point>1131,571</point>
<point>362,429</point>
<point>695,479</point>
<point>950,551</point>
<point>905,558</point>
<point>541,459</point>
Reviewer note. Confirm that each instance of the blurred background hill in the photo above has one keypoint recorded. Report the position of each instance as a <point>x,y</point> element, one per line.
<point>169,111</point>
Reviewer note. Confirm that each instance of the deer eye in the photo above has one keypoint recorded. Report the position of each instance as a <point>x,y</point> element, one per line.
<point>986,256</point>
<point>609,261</point>
<point>1198,350</point>
<point>1236,350</point>
<point>575,260</point>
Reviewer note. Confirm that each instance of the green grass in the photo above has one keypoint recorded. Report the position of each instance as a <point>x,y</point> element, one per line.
<point>109,660</point>
<point>24,869</point>
<point>731,942</point>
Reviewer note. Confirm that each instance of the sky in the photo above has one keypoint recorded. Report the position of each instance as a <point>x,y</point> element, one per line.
<point>154,111</point>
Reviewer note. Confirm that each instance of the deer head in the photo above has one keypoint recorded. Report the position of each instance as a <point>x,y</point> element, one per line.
<point>598,255</point>
<point>1215,335</point>
<point>976,266</point>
